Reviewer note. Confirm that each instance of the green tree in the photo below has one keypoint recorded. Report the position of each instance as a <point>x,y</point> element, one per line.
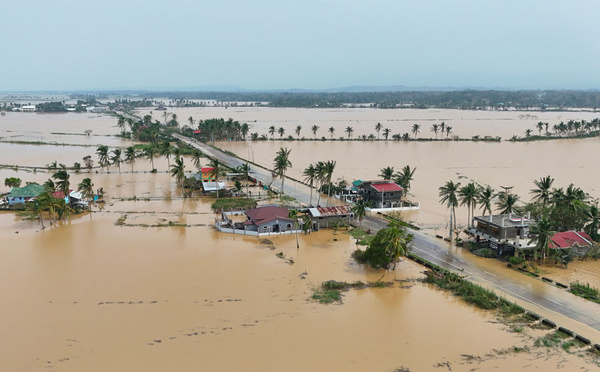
<point>329,169</point>
<point>272,131</point>
<point>63,181</point>
<point>102,152</point>
<point>331,131</point>
<point>293,214</point>
<point>387,173</point>
<point>130,155</point>
<point>314,130</point>
<point>166,151</point>
<point>593,222</point>
<point>448,195</point>
<point>541,234</point>
<point>197,158</point>
<point>150,152</point>
<point>12,182</point>
<point>310,176</point>
<point>86,188</point>
<point>378,128</point>
<point>435,129</point>
<point>217,172</point>
<point>281,164</point>
<point>360,210</point>
<point>386,248</point>
<point>349,131</point>
<point>542,191</point>
<point>507,202</point>
<point>485,197</point>
<point>404,177</point>
<point>468,196</point>
<point>298,129</point>
<point>116,158</point>
<point>416,130</point>
<point>178,170</point>
<point>386,133</point>
<point>281,132</point>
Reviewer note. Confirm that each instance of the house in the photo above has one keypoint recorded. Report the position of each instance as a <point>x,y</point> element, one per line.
<point>213,186</point>
<point>20,195</point>
<point>269,219</point>
<point>503,232</point>
<point>577,240</point>
<point>381,193</point>
<point>324,216</point>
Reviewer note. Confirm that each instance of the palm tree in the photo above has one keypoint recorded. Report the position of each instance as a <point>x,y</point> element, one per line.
<point>593,222</point>
<point>116,158</point>
<point>191,121</point>
<point>468,196</point>
<point>485,197</point>
<point>281,132</point>
<point>310,176</point>
<point>360,210</point>
<point>435,128</point>
<point>86,188</point>
<point>165,150</point>
<point>329,168</point>
<point>272,131</point>
<point>298,129</point>
<point>295,216</point>
<point>63,181</point>
<point>349,130</point>
<point>415,130</point>
<point>448,196</point>
<point>130,155</point>
<point>197,158</point>
<point>314,130</point>
<point>386,133</point>
<point>507,202</point>
<point>331,131</point>
<point>397,242</point>
<point>282,163</point>
<point>321,177</point>
<point>178,170</point>
<point>244,129</point>
<point>404,177</point>
<point>217,172</point>
<point>542,192</point>
<point>245,169</point>
<point>541,235</point>
<point>448,131</point>
<point>378,128</point>
<point>150,153</point>
<point>442,128</point>
<point>387,173</point>
<point>102,152</point>
<point>528,133</point>
<point>121,123</point>
<point>37,206</point>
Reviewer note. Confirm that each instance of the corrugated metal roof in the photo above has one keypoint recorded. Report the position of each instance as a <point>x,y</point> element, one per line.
<point>386,187</point>
<point>568,239</point>
<point>29,191</point>
<point>339,210</point>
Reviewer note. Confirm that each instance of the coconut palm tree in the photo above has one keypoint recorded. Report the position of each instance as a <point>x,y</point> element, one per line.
<point>37,206</point>
<point>166,151</point>
<point>542,192</point>
<point>360,210</point>
<point>217,172</point>
<point>485,197</point>
<point>178,170</point>
<point>282,163</point>
<point>593,222</point>
<point>331,131</point>
<point>116,158</point>
<point>507,202</point>
<point>102,152</point>
<point>281,132</point>
<point>245,169</point>
<point>386,133</point>
<point>378,128</point>
<point>314,130</point>
<point>442,128</point>
<point>404,177</point>
<point>387,173</point>
<point>329,168</point>
<point>321,178</point>
<point>197,158</point>
<point>293,214</point>
<point>86,188</point>
<point>272,131</point>
<point>349,131</point>
<point>448,195</point>
<point>130,154</point>
<point>448,131</point>
<point>121,123</point>
<point>298,129</point>
<point>397,242</point>
<point>150,152</point>
<point>541,234</point>
<point>435,128</point>
<point>63,181</point>
<point>310,176</point>
<point>191,121</point>
<point>416,130</point>
<point>528,132</point>
<point>468,196</point>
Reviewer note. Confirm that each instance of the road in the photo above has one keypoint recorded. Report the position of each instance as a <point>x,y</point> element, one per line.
<point>560,306</point>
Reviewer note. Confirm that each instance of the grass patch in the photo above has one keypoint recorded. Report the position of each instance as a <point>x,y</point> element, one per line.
<point>331,290</point>
<point>586,291</point>
<point>234,203</point>
<point>325,296</point>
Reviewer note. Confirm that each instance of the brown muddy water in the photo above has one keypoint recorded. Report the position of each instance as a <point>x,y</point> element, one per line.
<point>88,295</point>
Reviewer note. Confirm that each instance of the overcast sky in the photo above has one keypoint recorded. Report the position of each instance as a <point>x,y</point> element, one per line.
<point>278,44</point>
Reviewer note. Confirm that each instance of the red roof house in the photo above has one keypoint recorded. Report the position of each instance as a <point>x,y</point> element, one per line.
<point>269,218</point>
<point>570,239</point>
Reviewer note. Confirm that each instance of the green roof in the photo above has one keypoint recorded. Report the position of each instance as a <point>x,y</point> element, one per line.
<point>29,191</point>
<point>357,182</point>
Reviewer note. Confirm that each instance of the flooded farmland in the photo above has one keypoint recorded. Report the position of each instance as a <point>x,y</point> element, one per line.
<point>88,294</point>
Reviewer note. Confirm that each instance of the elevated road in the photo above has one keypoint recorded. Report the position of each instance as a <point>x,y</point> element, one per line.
<point>572,312</point>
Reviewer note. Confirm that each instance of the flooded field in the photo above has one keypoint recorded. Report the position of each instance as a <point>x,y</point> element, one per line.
<point>87,294</point>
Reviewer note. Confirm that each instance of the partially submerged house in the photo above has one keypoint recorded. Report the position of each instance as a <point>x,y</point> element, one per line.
<point>579,241</point>
<point>207,180</point>
<point>503,232</point>
<point>381,193</point>
<point>266,220</point>
<point>20,195</point>
<point>322,217</point>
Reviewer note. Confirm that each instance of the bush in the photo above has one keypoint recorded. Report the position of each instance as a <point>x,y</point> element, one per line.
<point>516,260</point>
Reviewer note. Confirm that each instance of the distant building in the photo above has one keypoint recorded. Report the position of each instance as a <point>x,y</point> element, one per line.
<point>28,108</point>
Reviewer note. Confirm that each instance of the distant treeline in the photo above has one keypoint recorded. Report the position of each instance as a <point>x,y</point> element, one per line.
<point>465,99</point>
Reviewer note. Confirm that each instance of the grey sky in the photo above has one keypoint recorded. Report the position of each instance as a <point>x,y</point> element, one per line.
<point>264,44</point>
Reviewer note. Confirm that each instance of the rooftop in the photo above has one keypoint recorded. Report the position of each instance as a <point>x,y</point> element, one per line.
<point>267,213</point>
<point>29,191</point>
<point>386,187</point>
<point>330,211</point>
<point>506,220</point>
<point>568,239</point>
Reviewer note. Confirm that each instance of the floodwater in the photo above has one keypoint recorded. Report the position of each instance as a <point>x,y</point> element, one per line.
<point>87,294</point>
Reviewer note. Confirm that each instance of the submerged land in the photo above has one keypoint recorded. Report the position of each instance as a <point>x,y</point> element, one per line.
<point>164,290</point>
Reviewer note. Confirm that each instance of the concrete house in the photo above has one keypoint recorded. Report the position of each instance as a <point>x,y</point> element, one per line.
<point>383,194</point>
<point>269,219</point>
<point>503,232</point>
<point>20,195</point>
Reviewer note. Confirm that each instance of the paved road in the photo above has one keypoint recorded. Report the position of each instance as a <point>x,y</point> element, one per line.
<point>567,310</point>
